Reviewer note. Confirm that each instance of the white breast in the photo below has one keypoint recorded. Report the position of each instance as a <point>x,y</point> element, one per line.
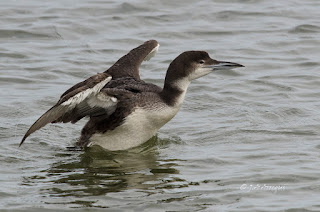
<point>137,128</point>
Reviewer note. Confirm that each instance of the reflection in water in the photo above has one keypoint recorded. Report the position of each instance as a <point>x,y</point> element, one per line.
<point>97,171</point>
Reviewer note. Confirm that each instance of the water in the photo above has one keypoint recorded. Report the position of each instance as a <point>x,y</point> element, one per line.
<point>244,140</point>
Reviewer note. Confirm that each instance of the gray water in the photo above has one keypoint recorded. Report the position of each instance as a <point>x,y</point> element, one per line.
<point>244,140</point>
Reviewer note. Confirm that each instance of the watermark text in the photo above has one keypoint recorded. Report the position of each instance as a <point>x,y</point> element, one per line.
<point>262,187</point>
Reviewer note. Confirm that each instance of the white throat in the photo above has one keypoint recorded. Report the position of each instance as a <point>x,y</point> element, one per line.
<point>182,84</point>
<point>199,72</point>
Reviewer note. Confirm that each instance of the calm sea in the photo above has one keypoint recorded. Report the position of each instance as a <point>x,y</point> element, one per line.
<point>244,140</point>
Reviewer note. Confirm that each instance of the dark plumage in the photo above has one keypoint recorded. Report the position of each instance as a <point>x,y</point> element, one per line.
<point>123,108</point>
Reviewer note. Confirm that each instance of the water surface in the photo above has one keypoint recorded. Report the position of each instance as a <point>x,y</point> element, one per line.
<point>244,140</point>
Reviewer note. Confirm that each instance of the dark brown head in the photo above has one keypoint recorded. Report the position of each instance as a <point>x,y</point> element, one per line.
<point>191,65</point>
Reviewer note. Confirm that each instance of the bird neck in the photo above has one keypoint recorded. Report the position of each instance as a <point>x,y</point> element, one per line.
<point>174,91</point>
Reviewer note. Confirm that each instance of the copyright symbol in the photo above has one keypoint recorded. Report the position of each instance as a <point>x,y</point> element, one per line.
<point>243,187</point>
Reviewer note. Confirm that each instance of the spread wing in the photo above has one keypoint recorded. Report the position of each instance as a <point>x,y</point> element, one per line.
<point>129,64</point>
<point>83,99</point>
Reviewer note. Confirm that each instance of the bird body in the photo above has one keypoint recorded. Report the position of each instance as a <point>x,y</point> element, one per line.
<point>123,110</point>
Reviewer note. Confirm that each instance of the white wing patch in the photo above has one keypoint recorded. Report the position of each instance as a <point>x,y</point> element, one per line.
<point>75,100</point>
<point>114,99</point>
<point>85,103</point>
<point>152,53</point>
<point>102,100</point>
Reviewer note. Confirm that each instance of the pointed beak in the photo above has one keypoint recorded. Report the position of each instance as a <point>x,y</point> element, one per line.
<point>222,65</point>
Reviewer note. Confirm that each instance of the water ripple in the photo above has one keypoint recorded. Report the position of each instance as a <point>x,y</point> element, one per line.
<point>237,133</point>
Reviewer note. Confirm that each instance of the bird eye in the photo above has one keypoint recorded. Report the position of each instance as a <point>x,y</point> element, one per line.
<point>201,61</point>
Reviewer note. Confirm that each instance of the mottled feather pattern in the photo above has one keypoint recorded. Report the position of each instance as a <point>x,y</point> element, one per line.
<point>124,110</point>
<point>71,106</point>
<point>86,99</point>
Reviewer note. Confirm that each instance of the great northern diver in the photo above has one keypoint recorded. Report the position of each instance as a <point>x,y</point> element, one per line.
<point>124,110</point>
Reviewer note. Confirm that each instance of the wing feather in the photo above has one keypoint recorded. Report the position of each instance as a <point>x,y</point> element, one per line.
<point>129,64</point>
<point>83,100</point>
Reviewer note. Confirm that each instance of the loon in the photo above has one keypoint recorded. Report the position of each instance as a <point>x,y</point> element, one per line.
<point>123,110</point>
